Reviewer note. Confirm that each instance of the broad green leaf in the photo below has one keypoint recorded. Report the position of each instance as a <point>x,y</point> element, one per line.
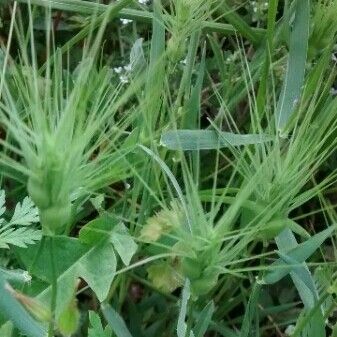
<point>73,259</point>
<point>300,253</point>
<point>115,321</point>
<point>112,230</point>
<point>14,311</point>
<point>298,47</point>
<point>207,139</point>
<point>37,259</point>
<point>123,243</point>
<point>98,229</point>
<point>97,267</point>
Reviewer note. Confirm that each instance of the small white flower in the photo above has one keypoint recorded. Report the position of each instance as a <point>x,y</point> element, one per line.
<point>123,73</point>
<point>128,67</point>
<point>124,78</point>
<point>143,2</point>
<point>26,276</point>
<point>118,70</point>
<point>125,21</point>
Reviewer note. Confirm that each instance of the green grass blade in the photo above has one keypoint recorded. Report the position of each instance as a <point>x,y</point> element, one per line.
<point>156,73</point>
<point>298,47</point>
<point>204,320</point>
<point>300,253</point>
<point>300,275</point>
<point>13,310</point>
<point>269,50</point>
<point>242,27</point>
<point>251,311</point>
<point>220,62</point>
<point>110,12</point>
<point>302,280</point>
<point>172,178</point>
<point>86,7</point>
<point>191,117</point>
<point>115,321</point>
<point>311,322</point>
<point>185,83</point>
<point>305,285</point>
<point>182,326</point>
<point>208,139</point>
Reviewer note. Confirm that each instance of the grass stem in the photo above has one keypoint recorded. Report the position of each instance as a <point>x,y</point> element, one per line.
<point>53,288</point>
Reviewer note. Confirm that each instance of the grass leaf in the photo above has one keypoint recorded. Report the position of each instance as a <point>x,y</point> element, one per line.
<point>204,320</point>
<point>300,253</point>
<point>251,311</point>
<point>115,321</point>
<point>298,47</point>
<point>208,140</point>
<point>181,325</point>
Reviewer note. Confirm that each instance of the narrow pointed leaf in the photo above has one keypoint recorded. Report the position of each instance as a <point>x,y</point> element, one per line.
<point>208,139</point>
<point>300,253</point>
<point>251,311</point>
<point>293,82</point>
<point>115,321</point>
<point>204,320</point>
<point>182,326</point>
<point>303,281</point>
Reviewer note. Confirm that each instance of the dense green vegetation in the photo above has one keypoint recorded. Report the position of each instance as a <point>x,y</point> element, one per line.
<point>168,168</point>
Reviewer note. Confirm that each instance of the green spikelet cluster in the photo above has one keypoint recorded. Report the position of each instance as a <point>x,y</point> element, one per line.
<point>50,193</point>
